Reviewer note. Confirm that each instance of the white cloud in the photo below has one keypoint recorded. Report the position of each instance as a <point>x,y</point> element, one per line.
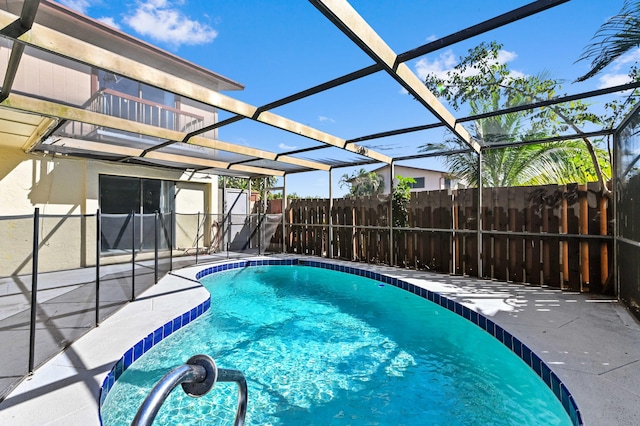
<point>163,21</point>
<point>431,38</point>
<point>627,58</point>
<point>610,80</point>
<point>517,74</point>
<point>283,146</point>
<point>78,5</point>
<point>439,66</point>
<point>324,119</point>
<point>505,56</point>
<point>616,77</point>
<point>446,61</point>
<point>109,21</point>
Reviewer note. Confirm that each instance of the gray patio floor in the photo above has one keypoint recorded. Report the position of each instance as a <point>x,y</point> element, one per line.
<point>591,342</point>
<point>67,307</point>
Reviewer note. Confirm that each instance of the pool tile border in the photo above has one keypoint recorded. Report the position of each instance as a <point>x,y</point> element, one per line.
<point>511,342</point>
<point>146,343</point>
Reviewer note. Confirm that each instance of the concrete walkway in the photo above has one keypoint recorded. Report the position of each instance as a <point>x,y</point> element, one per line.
<point>592,343</point>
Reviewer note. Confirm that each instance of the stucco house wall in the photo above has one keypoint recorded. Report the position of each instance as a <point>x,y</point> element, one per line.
<point>64,186</point>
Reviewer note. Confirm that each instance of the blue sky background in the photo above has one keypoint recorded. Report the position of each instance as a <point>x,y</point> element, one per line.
<point>278,47</point>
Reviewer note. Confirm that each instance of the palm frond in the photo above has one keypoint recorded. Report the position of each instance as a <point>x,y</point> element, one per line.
<point>617,36</point>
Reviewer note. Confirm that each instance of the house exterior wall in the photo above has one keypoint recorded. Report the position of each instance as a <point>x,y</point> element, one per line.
<point>55,185</point>
<point>433,180</point>
<point>51,77</point>
<point>193,198</point>
<point>64,186</point>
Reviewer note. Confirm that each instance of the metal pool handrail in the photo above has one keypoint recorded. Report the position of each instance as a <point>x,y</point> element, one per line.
<point>197,377</point>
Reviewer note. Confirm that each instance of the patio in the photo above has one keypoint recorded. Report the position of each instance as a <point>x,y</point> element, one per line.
<point>554,262</point>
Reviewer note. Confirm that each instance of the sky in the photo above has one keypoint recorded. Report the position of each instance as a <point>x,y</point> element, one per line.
<point>278,47</point>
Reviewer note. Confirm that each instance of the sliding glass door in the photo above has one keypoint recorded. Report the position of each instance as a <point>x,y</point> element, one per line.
<point>128,207</point>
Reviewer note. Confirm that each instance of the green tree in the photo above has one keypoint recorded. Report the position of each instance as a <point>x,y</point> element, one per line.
<point>617,36</point>
<point>260,185</point>
<point>617,109</point>
<point>292,196</point>
<point>400,200</point>
<point>484,84</point>
<point>362,183</point>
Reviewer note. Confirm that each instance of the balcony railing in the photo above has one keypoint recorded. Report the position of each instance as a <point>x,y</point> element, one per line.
<point>121,105</point>
<point>117,104</point>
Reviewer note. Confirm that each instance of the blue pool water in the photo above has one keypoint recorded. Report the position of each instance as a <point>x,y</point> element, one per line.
<point>322,347</point>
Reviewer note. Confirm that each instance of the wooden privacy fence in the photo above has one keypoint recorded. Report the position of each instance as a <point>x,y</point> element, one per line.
<point>559,236</point>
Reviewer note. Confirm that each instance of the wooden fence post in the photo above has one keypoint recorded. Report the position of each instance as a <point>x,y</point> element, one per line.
<point>546,244</point>
<point>455,267</point>
<point>564,215</point>
<point>354,231</point>
<point>584,230</point>
<point>512,215</point>
<point>516,209</point>
<point>604,250</point>
<point>500,252</point>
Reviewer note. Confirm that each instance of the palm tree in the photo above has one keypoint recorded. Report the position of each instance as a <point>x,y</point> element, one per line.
<point>484,83</point>
<point>536,164</point>
<point>513,166</point>
<point>617,36</point>
<point>362,183</point>
<point>524,165</point>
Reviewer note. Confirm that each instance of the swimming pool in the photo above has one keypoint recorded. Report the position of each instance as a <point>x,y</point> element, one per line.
<point>350,350</point>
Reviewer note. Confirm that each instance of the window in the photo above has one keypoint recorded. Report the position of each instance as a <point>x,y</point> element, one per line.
<point>418,184</point>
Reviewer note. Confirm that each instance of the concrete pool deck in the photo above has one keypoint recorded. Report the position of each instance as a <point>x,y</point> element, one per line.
<point>592,343</point>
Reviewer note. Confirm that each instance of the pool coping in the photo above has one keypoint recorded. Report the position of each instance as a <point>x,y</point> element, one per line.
<point>515,345</point>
